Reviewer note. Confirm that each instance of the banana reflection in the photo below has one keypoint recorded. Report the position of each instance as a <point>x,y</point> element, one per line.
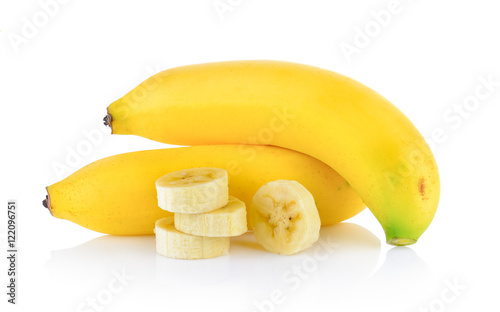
<point>395,286</point>
<point>344,257</point>
<point>98,258</point>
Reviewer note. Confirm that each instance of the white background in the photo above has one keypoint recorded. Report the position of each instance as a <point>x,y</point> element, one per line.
<point>427,59</point>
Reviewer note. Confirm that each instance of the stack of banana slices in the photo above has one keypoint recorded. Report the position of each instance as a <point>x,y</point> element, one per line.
<point>205,216</point>
<point>283,215</point>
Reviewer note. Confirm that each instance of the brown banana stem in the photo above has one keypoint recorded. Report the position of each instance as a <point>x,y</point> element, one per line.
<point>107,120</point>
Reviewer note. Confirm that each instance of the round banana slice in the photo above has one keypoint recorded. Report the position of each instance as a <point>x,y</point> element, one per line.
<point>230,220</point>
<point>194,190</point>
<point>174,244</point>
<point>284,217</point>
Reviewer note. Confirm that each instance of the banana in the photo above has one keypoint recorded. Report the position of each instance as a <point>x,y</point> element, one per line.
<point>335,119</point>
<point>172,243</point>
<point>117,195</point>
<point>194,190</point>
<point>284,217</point>
<point>230,220</point>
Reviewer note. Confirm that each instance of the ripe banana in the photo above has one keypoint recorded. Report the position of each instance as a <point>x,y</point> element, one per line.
<point>284,217</point>
<point>194,190</point>
<point>335,119</point>
<point>174,244</point>
<point>117,194</point>
<point>230,220</point>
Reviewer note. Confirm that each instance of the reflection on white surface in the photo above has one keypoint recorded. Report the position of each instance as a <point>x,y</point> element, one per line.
<point>345,256</point>
<point>338,267</point>
<point>102,255</point>
<point>194,273</point>
<point>87,274</point>
<point>402,278</point>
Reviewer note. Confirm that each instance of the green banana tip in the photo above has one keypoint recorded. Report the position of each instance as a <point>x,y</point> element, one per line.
<point>401,241</point>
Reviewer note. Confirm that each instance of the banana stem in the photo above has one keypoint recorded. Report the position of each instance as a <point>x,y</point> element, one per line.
<point>107,120</point>
<point>46,203</point>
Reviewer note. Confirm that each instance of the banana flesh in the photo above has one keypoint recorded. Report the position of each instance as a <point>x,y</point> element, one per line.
<point>172,243</point>
<point>284,217</point>
<point>194,190</point>
<point>230,220</point>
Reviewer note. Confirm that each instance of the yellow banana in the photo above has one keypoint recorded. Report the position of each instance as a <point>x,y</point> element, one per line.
<point>117,195</point>
<point>335,119</point>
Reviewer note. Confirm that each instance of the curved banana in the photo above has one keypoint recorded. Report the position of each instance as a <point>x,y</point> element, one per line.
<point>335,119</point>
<point>117,194</point>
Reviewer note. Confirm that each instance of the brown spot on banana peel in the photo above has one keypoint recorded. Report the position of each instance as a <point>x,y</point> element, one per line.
<point>421,188</point>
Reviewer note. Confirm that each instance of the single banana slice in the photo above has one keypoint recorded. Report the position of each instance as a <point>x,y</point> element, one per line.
<point>174,244</point>
<point>230,220</point>
<point>284,217</point>
<point>195,190</point>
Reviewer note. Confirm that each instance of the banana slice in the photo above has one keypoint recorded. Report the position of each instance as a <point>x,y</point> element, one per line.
<point>195,190</point>
<point>284,217</point>
<point>174,244</point>
<point>230,220</point>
